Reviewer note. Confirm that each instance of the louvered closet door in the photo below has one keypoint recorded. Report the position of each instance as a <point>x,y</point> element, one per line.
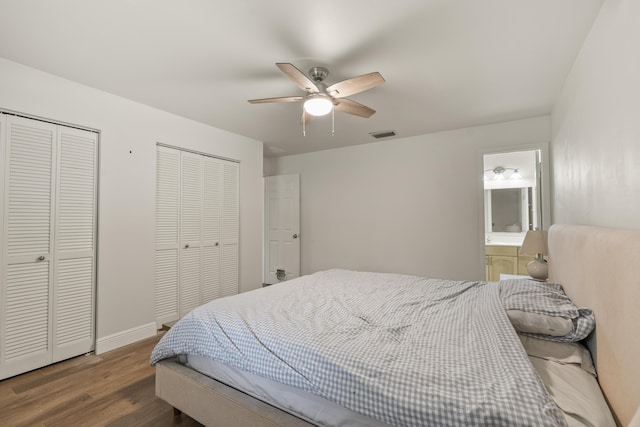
<point>167,234</point>
<point>75,219</point>
<point>191,196</point>
<point>197,220</point>
<point>211,223</point>
<point>26,341</point>
<point>230,229</point>
<point>48,243</point>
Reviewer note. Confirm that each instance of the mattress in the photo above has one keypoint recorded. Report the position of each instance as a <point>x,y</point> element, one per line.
<point>575,391</point>
<point>307,406</point>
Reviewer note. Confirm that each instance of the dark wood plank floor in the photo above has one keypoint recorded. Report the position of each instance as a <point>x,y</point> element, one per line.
<point>114,389</point>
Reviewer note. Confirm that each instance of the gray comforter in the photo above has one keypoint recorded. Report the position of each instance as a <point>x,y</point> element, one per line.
<point>405,350</point>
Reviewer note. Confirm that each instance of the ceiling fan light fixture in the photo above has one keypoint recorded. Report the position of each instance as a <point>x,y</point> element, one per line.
<point>318,105</point>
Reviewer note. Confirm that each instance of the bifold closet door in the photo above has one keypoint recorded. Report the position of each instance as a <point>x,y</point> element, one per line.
<point>230,230</point>
<point>191,188</point>
<point>197,230</point>
<point>75,243</point>
<point>211,228</point>
<point>27,267</point>
<point>167,234</point>
<point>47,268</point>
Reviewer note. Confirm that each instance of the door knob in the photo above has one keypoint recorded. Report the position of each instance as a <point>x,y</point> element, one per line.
<point>186,246</point>
<point>295,236</point>
<point>217,243</point>
<point>41,258</point>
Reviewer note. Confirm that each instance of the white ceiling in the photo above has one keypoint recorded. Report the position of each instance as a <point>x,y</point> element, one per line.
<point>447,63</point>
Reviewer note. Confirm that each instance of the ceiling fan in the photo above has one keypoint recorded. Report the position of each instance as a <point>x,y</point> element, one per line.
<point>320,99</point>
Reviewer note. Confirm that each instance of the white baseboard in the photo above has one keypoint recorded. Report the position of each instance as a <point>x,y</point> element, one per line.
<point>120,339</point>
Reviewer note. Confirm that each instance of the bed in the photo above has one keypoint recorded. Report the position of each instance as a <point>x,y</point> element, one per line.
<point>497,376</point>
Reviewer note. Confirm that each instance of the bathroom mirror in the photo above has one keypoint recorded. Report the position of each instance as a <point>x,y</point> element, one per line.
<point>509,210</point>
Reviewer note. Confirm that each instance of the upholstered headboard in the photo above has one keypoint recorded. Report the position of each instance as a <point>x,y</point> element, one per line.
<point>599,268</point>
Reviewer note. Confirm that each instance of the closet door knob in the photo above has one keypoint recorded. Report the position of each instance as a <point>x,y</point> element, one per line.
<point>295,236</point>
<point>186,246</point>
<point>217,243</point>
<point>41,258</point>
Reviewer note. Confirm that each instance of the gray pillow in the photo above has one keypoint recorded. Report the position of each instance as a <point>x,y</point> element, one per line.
<point>548,300</point>
<point>535,323</point>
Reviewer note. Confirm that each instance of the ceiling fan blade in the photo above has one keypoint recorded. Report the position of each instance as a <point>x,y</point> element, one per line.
<point>298,77</point>
<point>355,108</point>
<point>355,85</point>
<point>279,99</point>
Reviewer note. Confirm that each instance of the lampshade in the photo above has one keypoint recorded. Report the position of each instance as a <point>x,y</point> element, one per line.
<point>318,105</point>
<point>535,242</point>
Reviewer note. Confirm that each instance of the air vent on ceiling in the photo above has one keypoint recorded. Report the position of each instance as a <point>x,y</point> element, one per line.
<point>383,134</point>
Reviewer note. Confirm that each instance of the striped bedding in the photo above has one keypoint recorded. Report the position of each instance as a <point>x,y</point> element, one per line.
<point>405,350</point>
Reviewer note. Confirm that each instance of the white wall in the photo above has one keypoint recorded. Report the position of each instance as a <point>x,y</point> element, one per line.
<point>126,227</point>
<point>410,205</point>
<point>596,125</point>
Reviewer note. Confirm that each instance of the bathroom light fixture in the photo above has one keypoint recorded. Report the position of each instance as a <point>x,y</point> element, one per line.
<point>318,105</point>
<point>499,172</point>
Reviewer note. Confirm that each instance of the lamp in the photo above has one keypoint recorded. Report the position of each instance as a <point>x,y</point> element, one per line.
<point>318,105</point>
<point>535,242</point>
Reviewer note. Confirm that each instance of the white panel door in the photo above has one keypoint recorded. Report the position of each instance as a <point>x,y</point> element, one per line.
<point>282,227</point>
<point>211,227</point>
<point>167,234</point>
<point>191,195</point>
<point>74,243</point>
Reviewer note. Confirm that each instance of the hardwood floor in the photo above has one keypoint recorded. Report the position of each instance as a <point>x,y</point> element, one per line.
<point>114,389</point>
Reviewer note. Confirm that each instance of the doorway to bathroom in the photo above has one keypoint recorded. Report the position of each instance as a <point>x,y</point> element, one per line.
<point>515,200</point>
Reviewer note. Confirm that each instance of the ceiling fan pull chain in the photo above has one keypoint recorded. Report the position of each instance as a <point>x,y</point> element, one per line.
<point>304,121</point>
<point>333,121</point>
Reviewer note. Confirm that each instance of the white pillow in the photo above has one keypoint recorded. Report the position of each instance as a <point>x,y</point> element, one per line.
<point>565,353</point>
<point>537,323</point>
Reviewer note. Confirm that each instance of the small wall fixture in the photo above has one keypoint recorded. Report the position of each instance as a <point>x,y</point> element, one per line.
<point>500,172</point>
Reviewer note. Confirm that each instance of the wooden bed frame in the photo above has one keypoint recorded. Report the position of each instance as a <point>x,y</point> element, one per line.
<point>213,403</point>
<point>598,267</point>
